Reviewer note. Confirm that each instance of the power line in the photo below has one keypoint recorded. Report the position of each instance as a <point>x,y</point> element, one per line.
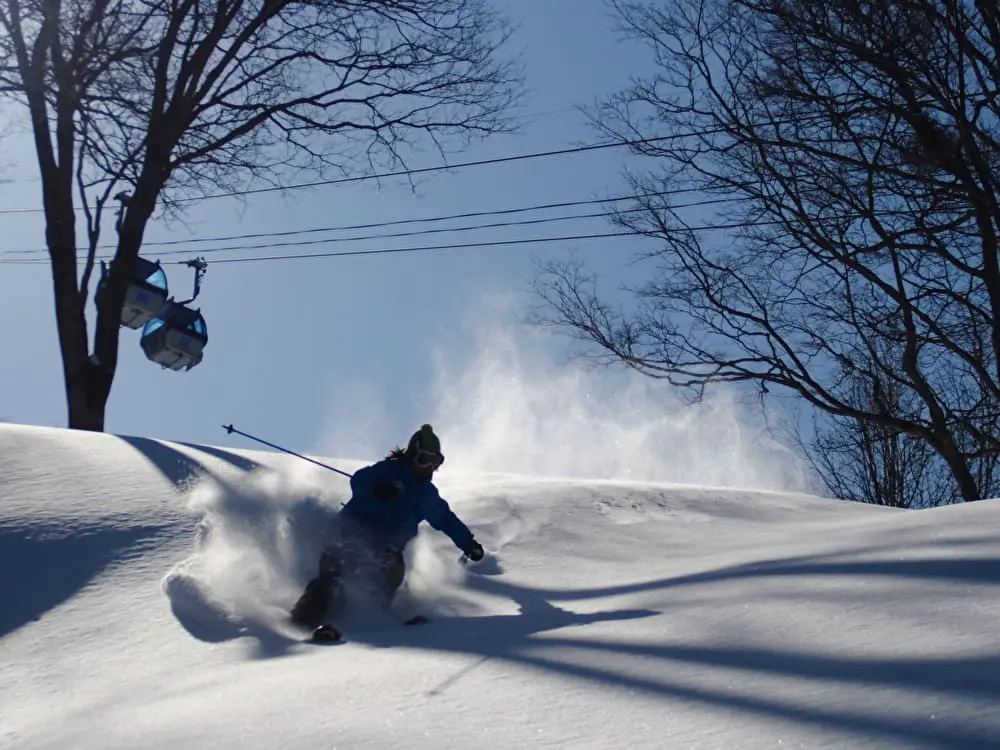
<point>370,225</point>
<point>423,170</point>
<point>423,220</point>
<point>650,234</point>
<point>394,235</point>
<point>424,248</point>
<point>457,246</point>
<point>424,232</point>
<point>457,165</point>
<point>385,251</point>
<point>525,116</point>
<point>401,222</point>
<point>492,243</point>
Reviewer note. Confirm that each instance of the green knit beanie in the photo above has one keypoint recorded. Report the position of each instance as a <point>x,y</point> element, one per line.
<point>424,439</point>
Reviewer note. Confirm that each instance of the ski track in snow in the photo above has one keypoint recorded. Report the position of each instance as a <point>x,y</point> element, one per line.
<point>146,583</point>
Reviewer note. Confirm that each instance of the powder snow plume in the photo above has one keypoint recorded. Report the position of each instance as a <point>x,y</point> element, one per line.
<point>503,401</point>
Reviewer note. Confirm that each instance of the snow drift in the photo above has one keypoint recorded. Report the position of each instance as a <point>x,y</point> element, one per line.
<point>145,581</point>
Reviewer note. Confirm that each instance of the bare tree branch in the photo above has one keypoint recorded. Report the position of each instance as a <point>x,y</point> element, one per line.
<point>858,145</point>
<point>170,99</point>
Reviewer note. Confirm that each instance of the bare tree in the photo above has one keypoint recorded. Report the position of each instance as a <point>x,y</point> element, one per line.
<point>853,148</point>
<point>168,99</point>
<point>869,463</point>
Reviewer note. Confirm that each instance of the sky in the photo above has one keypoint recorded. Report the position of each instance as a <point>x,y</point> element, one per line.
<point>350,355</point>
<point>147,582</point>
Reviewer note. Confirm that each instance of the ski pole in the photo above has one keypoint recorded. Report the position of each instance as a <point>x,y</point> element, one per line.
<point>230,429</point>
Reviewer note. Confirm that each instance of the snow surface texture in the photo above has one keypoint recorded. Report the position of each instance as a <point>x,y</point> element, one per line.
<point>144,584</point>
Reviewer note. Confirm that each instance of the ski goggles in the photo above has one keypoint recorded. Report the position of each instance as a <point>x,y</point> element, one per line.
<point>428,459</point>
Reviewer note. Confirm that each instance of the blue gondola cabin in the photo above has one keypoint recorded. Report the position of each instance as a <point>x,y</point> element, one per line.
<point>175,338</point>
<point>146,293</point>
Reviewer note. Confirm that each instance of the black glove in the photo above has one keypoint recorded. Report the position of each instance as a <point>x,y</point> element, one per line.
<point>474,551</point>
<point>387,491</point>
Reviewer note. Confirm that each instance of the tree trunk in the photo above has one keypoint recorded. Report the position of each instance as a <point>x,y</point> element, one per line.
<point>85,396</point>
<point>968,487</point>
<point>87,401</point>
<point>82,377</point>
<point>85,380</point>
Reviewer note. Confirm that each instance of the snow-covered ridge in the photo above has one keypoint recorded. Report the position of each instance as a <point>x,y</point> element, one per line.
<point>144,582</point>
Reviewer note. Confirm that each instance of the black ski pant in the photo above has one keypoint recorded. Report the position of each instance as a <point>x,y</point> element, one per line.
<point>381,571</point>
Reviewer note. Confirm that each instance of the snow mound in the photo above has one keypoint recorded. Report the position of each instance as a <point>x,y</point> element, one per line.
<point>609,614</point>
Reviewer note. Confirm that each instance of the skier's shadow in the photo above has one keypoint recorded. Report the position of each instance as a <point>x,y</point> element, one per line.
<point>497,635</point>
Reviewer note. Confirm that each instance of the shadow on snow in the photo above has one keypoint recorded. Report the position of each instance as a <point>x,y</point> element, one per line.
<point>510,637</point>
<point>513,638</point>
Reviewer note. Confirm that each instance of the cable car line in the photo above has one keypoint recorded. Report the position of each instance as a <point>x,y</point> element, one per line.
<point>388,235</point>
<point>493,243</point>
<point>396,250</point>
<point>399,222</point>
<point>420,170</point>
<point>425,220</point>
<point>456,246</point>
<point>459,165</point>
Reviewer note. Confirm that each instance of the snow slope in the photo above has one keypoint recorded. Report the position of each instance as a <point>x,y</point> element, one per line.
<point>143,584</point>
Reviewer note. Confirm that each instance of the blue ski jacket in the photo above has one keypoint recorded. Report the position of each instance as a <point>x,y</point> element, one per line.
<point>393,523</point>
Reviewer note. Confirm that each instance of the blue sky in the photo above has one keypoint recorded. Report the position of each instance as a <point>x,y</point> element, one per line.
<point>348,355</point>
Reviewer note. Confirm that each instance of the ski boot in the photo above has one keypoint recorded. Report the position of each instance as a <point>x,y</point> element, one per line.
<point>325,633</point>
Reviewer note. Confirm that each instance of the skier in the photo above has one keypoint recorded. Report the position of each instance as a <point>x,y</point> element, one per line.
<point>388,501</point>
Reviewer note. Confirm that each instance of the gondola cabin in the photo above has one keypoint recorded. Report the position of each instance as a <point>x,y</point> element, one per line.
<point>175,338</point>
<point>146,293</point>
